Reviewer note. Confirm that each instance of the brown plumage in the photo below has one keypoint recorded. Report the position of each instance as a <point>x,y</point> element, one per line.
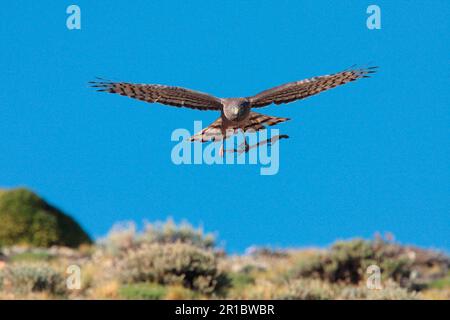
<point>306,88</point>
<point>236,113</point>
<point>255,122</point>
<point>173,96</point>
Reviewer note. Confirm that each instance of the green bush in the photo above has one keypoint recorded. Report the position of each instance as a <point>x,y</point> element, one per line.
<point>239,280</point>
<point>31,257</point>
<point>25,279</point>
<point>144,291</point>
<point>27,219</point>
<point>176,263</point>
<point>441,283</point>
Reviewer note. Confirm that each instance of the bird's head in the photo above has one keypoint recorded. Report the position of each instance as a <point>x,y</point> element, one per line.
<point>241,110</point>
<point>236,109</point>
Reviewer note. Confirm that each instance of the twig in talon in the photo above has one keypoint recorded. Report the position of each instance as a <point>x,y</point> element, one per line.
<point>231,151</point>
<point>248,147</point>
<point>270,141</point>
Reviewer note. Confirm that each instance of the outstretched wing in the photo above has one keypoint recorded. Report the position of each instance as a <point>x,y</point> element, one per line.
<point>305,88</point>
<point>173,96</point>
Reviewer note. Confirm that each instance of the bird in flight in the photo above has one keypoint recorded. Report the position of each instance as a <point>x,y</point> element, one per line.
<point>235,113</point>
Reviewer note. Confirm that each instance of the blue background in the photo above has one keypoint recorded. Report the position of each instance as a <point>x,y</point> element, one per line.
<point>369,156</point>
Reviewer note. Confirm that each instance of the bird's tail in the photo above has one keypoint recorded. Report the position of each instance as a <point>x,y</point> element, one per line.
<point>213,132</point>
<point>257,121</point>
<point>254,122</point>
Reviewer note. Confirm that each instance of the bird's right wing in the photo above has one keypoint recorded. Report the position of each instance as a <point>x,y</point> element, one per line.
<point>305,88</point>
<point>173,96</point>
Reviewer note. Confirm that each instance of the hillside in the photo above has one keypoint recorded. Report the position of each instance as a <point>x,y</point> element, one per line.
<point>169,261</point>
<point>27,219</point>
<point>177,261</point>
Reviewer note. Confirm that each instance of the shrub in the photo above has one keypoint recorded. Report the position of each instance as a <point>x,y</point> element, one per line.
<point>164,253</point>
<point>27,219</point>
<point>124,236</point>
<point>177,263</point>
<point>348,261</point>
<point>170,232</point>
<point>25,279</point>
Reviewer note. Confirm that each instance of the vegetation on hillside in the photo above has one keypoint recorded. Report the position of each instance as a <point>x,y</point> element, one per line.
<point>169,261</point>
<point>28,220</point>
<point>177,261</point>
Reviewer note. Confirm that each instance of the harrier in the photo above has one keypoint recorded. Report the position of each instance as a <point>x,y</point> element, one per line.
<point>235,113</point>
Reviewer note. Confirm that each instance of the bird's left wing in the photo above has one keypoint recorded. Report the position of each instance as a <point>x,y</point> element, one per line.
<point>173,96</point>
<point>305,88</point>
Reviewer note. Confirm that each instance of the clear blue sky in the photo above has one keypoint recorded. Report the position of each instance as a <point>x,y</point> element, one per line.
<point>370,156</point>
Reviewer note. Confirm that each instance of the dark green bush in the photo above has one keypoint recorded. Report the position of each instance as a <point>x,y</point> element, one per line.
<point>27,219</point>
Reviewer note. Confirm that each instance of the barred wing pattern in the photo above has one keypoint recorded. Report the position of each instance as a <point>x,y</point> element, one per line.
<point>305,88</point>
<point>173,96</point>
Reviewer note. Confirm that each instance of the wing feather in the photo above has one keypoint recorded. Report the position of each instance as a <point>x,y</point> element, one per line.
<point>305,88</point>
<point>152,93</point>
